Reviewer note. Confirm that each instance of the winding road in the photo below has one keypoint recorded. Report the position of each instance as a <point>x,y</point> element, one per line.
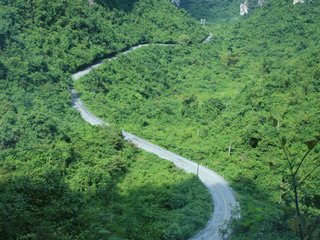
<point>223,198</point>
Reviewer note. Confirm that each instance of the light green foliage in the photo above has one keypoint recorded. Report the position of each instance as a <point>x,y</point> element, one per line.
<point>59,177</point>
<point>255,74</point>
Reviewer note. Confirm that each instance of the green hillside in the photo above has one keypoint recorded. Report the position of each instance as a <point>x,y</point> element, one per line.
<point>59,177</point>
<point>254,89</point>
<point>246,105</point>
<point>124,5</point>
<point>212,10</point>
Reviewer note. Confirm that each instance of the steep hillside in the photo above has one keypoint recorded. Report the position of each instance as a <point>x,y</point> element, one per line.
<point>124,5</point>
<point>59,177</point>
<point>212,10</point>
<point>245,104</point>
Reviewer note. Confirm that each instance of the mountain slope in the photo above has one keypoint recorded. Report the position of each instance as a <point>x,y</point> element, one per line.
<point>59,177</point>
<point>212,10</point>
<point>228,105</point>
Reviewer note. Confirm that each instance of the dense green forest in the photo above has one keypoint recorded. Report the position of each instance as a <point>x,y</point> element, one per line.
<point>253,90</point>
<point>212,10</point>
<point>61,178</point>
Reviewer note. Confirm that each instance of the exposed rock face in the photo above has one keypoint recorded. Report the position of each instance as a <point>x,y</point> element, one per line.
<point>298,1</point>
<point>91,2</point>
<point>176,2</point>
<point>244,8</point>
<point>261,2</point>
<point>248,4</point>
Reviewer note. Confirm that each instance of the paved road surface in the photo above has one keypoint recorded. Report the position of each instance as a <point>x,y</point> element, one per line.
<point>85,71</point>
<point>222,196</point>
<point>85,114</point>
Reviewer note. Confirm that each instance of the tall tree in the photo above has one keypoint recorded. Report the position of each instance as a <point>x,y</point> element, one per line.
<point>296,175</point>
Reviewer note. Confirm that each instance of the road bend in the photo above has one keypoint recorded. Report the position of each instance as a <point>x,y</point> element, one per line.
<point>223,198</point>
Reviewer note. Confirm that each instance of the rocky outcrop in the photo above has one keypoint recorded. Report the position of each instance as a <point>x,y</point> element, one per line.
<point>244,8</point>
<point>261,2</point>
<point>298,1</point>
<point>176,2</point>
<point>248,4</point>
<point>91,2</point>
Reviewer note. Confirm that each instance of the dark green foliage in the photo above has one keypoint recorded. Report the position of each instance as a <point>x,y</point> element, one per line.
<point>256,75</point>
<point>79,33</point>
<point>125,5</point>
<point>3,71</point>
<point>59,177</point>
<point>166,200</point>
<point>212,10</point>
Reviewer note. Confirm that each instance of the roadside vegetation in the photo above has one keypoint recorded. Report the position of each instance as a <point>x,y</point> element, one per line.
<point>234,104</point>
<point>59,177</point>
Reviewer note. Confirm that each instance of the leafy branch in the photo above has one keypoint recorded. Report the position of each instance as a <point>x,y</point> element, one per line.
<point>295,170</point>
